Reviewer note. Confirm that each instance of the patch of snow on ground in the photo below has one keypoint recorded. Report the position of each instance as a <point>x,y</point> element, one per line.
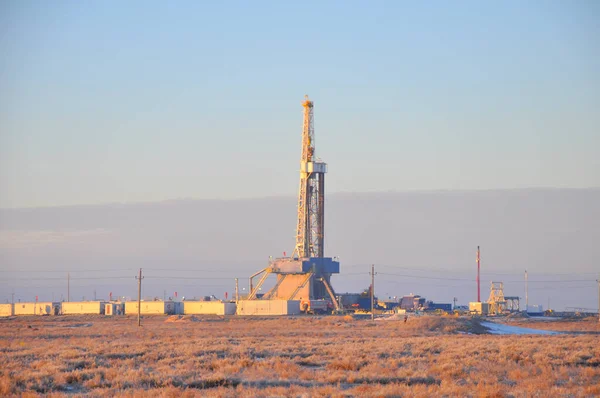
<point>498,328</point>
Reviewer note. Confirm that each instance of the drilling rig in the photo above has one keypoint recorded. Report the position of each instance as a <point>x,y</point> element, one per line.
<point>306,275</point>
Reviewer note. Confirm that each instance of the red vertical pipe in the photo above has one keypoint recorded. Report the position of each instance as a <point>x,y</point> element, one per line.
<point>478,284</point>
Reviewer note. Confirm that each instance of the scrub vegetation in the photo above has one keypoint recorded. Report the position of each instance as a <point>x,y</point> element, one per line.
<point>304,356</point>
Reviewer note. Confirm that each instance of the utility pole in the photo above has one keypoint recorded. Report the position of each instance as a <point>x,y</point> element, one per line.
<point>598,280</point>
<point>139,278</point>
<point>237,290</point>
<point>526,292</point>
<point>478,284</point>
<point>372,292</point>
<point>68,287</point>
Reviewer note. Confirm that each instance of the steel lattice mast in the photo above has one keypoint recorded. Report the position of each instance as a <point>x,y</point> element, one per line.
<point>306,275</point>
<point>311,194</point>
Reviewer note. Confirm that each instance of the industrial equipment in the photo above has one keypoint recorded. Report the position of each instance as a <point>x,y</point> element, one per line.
<point>306,274</point>
<point>496,301</point>
<point>357,302</point>
<point>499,303</point>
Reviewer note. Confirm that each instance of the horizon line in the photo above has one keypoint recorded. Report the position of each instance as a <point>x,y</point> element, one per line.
<point>275,196</point>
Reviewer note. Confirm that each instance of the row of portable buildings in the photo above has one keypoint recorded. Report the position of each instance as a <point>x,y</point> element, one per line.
<point>245,307</point>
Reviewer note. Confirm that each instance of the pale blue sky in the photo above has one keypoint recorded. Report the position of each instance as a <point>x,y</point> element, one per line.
<point>143,101</point>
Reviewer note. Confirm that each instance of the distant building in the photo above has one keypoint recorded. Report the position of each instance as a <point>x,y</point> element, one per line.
<point>431,306</point>
<point>535,309</point>
<point>83,307</point>
<point>39,308</point>
<point>208,308</point>
<point>268,307</point>
<point>151,307</point>
<point>412,302</point>
<point>6,310</point>
<point>479,308</point>
<point>356,301</point>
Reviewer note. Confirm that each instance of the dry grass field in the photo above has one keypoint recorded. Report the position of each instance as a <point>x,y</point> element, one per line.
<point>590,324</point>
<point>304,356</point>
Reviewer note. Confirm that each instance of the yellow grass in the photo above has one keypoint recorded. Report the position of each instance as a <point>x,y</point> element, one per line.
<point>329,356</point>
<point>589,324</point>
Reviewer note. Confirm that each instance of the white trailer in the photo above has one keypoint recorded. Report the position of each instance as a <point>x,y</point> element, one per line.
<point>268,307</point>
<point>39,308</point>
<point>151,307</point>
<point>6,310</point>
<point>208,308</point>
<point>83,307</point>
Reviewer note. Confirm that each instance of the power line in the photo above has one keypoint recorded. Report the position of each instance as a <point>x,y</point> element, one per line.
<point>193,270</point>
<point>351,266</point>
<point>472,280</point>
<point>551,281</point>
<point>192,285</point>
<point>459,271</point>
<point>65,271</point>
<point>425,277</point>
<point>563,287</point>
<point>400,283</point>
<point>352,274</point>
<point>62,279</point>
<point>189,277</point>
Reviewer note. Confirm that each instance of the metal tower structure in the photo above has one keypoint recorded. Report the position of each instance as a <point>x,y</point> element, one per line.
<point>497,301</point>
<point>305,276</point>
<point>311,193</point>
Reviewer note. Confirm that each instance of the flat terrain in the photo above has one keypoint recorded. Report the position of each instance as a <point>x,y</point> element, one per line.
<point>304,356</point>
<point>586,325</point>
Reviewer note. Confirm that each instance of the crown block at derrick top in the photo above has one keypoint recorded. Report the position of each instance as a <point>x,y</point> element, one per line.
<point>318,265</point>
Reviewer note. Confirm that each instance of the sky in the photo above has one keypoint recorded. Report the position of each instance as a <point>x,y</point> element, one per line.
<point>146,101</point>
<point>104,102</point>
